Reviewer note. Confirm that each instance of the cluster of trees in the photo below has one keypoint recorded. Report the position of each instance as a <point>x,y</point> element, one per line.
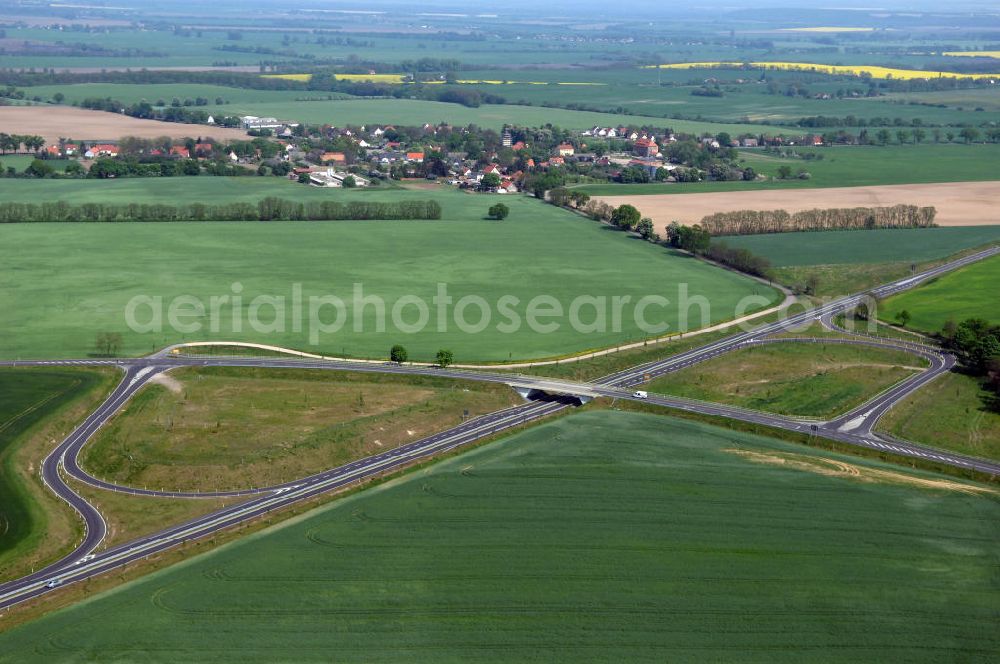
<point>753,222</point>
<point>699,241</point>
<point>147,111</point>
<point>39,168</point>
<point>695,239</point>
<point>639,175</point>
<point>13,142</point>
<point>400,355</point>
<point>976,343</point>
<point>328,82</point>
<point>268,209</point>
<point>740,259</point>
<point>121,168</point>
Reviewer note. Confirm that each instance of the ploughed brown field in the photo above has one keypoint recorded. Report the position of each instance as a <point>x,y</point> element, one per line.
<point>957,203</point>
<point>53,122</point>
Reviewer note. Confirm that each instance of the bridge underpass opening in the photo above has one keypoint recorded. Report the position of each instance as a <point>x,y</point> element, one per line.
<point>532,394</point>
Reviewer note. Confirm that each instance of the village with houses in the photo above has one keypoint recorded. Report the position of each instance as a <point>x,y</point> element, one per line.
<point>470,158</point>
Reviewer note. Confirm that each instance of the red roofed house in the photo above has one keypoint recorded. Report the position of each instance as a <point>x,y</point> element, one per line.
<point>203,149</point>
<point>520,145</point>
<point>337,157</point>
<point>645,147</point>
<point>565,150</point>
<point>557,161</point>
<point>492,168</point>
<point>180,151</point>
<point>415,156</point>
<point>104,150</point>
<point>53,151</point>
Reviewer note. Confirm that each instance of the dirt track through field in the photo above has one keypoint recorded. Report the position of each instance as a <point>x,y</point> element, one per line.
<point>957,203</point>
<point>53,122</point>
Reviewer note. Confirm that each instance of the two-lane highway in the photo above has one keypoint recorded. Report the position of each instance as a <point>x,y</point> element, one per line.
<point>85,562</point>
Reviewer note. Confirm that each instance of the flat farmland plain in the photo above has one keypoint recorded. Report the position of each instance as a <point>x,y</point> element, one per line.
<point>600,533</point>
<point>957,203</point>
<point>883,245</point>
<point>62,284</point>
<point>53,122</point>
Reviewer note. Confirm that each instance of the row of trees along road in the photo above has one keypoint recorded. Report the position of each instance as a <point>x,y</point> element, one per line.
<point>399,355</point>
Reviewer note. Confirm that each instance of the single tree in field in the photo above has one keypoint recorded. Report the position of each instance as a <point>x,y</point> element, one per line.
<point>902,136</point>
<point>626,216</point>
<point>38,169</point>
<point>498,211</point>
<point>919,135</point>
<point>784,172</point>
<point>444,357</point>
<point>349,182</point>
<point>903,317</point>
<point>398,354</point>
<point>108,343</point>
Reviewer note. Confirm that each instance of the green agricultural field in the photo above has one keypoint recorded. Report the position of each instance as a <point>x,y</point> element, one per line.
<point>598,535</point>
<point>19,162</point>
<point>972,292</point>
<point>210,428</point>
<point>364,111</point>
<point>131,93</point>
<point>65,283</point>
<point>28,396</point>
<point>745,98</point>
<point>860,247</point>
<point>845,166</point>
<point>954,412</point>
<point>968,100</point>
<point>206,189</point>
<point>805,380</point>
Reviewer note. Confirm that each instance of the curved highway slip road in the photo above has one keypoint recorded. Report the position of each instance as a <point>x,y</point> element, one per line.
<point>855,427</point>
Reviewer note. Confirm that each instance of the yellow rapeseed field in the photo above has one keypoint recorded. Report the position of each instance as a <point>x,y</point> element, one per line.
<point>374,78</point>
<point>856,70</point>
<point>973,54</point>
<point>290,77</point>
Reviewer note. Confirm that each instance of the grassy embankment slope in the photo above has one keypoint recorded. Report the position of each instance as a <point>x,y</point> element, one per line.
<point>953,412</point>
<point>538,250</point>
<point>597,534</point>
<point>799,379</point>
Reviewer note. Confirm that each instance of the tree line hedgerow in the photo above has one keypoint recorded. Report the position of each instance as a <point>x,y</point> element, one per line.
<point>753,222</point>
<point>267,209</point>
